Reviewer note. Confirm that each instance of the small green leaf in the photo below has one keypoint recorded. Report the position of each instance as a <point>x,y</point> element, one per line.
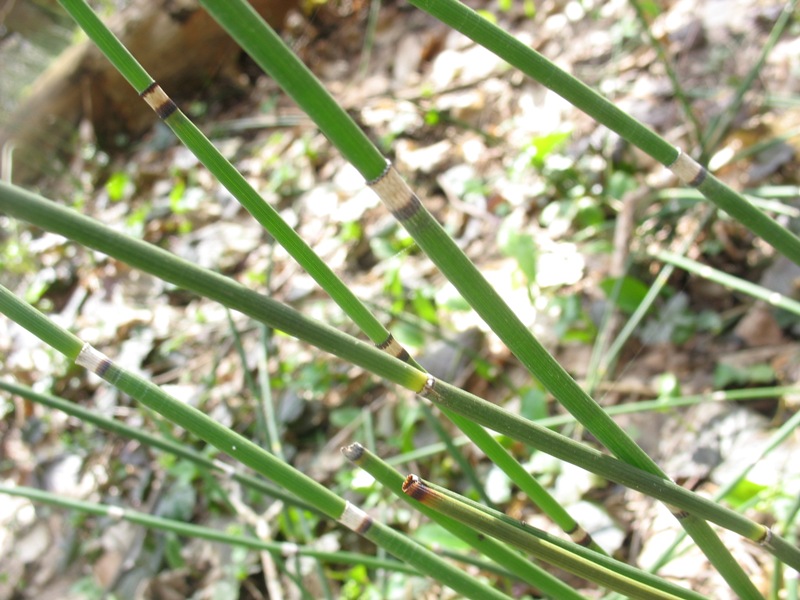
<point>172,552</point>
<point>650,8</point>
<point>432,117</point>
<point>620,183</point>
<point>176,196</point>
<point>726,375</point>
<point>424,308</point>
<point>626,293</point>
<point>744,491</point>
<point>344,416</point>
<point>589,213</point>
<point>529,8</point>
<point>117,185</point>
<point>409,335</point>
<point>545,145</point>
<point>520,246</point>
<point>351,231</point>
<point>574,324</point>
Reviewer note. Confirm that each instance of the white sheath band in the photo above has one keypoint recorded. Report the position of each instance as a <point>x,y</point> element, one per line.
<point>156,97</point>
<point>92,359</point>
<point>687,169</point>
<point>392,190</point>
<point>354,518</point>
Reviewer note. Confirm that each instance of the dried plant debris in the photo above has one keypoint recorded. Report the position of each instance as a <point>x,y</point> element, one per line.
<point>530,189</point>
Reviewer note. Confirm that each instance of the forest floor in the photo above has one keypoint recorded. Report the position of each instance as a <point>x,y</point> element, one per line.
<point>553,209</point>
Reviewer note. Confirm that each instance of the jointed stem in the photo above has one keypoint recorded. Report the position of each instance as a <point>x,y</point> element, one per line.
<point>575,559</point>
<point>53,217</point>
<point>357,148</point>
<point>245,451</point>
<point>521,567</point>
<point>200,532</point>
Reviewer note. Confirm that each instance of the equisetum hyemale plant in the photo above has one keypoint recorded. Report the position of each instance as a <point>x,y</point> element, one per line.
<point>241,449</point>
<point>495,526</point>
<point>602,570</point>
<point>284,549</point>
<point>28,206</point>
<point>629,465</point>
<point>194,139</point>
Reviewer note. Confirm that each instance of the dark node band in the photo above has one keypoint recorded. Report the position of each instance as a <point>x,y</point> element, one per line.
<point>149,89</point>
<point>364,526</point>
<point>408,210</point>
<point>166,109</point>
<point>699,178</point>
<point>159,101</point>
<point>385,343</point>
<point>584,539</point>
<point>103,367</point>
<point>398,351</point>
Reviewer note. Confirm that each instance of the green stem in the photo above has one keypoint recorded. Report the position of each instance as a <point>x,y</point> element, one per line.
<point>658,284</point>
<point>282,549</point>
<point>775,440</point>
<point>261,419</point>
<point>256,37</point>
<point>246,452</point>
<point>156,261</point>
<point>729,281</point>
<point>260,41</point>
<point>267,49</point>
<point>144,437</point>
<point>539,68</point>
<point>356,147</point>
<point>721,125</point>
<point>604,571</point>
<point>573,452</point>
<point>677,88</point>
<point>588,554</point>
<point>477,291</point>
<point>188,133</point>
<point>659,404</point>
<point>521,568</point>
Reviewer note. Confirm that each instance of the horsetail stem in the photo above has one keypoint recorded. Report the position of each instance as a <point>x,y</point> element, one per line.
<point>759,292</point>
<point>186,452</point>
<point>283,549</point>
<point>246,452</point>
<point>517,54</point>
<point>156,261</point>
<point>191,136</point>
<point>701,184</point>
<point>608,574</point>
<point>432,238</point>
<point>519,567</point>
<point>166,445</point>
<point>255,36</point>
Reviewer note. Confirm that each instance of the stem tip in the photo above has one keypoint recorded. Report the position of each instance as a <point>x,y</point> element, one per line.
<point>414,487</point>
<point>353,452</point>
